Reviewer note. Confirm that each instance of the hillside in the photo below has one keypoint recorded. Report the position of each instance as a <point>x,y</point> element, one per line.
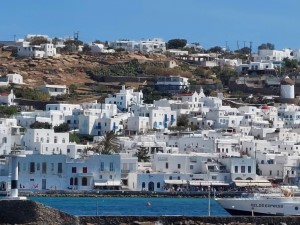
<point>65,69</point>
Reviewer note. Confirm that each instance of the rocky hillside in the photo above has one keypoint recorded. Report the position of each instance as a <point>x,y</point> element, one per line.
<point>65,69</point>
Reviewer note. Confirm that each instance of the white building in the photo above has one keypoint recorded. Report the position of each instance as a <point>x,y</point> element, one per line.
<point>272,55</point>
<point>54,90</point>
<point>287,88</point>
<point>15,78</point>
<point>146,46</point>
<point>125,99</point>
<point>59,172</point>
<point>7,98</point>
<point>38,51</point>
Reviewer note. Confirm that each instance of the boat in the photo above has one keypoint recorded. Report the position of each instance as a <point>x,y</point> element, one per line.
<point>257,204</point>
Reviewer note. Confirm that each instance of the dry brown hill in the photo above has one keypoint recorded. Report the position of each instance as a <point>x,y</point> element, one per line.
<point>65,69</point>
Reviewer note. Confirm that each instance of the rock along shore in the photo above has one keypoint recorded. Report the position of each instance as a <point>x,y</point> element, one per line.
<point>32,213</point>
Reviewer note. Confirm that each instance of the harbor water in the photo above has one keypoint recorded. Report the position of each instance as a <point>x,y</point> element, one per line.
<point>134,206</point>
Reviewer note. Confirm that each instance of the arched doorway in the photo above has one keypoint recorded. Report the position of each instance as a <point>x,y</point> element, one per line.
<point>151,186</point>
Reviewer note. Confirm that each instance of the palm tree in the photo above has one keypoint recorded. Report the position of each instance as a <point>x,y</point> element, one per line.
<point>142,154</point>
<point>108,145</point>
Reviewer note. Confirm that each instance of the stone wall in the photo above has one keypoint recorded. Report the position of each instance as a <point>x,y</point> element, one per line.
<point>181,220</point>
<point>30,212</point>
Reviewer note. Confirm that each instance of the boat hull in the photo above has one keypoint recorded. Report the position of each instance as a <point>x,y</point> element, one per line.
<point>263,206</point>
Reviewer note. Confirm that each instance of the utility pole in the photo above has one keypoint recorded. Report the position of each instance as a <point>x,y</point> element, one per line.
<point>250,50</point>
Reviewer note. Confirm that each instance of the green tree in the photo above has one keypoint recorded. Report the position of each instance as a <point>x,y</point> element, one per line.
<point>176,43</point>
<point>38,40</point>
<point>55,40</point>
<point>245,50</point>
<point>72,45</point>
<point>183,121</point>
<point>7,111</point>
<point>203,72</point>
<point>290,63</point>
<point>86,48</point>
<point>142,154</point>
<point>40,125</point>
<point>268,46</point>
<point>108,145</point>
<point>74,138</point>
<point>64,127</point>
<point>216,49</point>
<point>72,88</point>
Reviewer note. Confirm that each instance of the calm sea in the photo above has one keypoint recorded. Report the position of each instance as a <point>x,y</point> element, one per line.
<point>132,206</point>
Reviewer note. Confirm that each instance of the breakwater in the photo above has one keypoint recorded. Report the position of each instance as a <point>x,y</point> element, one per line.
<point>30,212</point>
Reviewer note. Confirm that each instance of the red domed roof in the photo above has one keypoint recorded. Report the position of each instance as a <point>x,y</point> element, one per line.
<point>264,106</point>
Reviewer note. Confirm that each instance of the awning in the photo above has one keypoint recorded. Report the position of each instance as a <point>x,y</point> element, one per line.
<point>207,183</point>
<point>252,183</point>
<point>107,183</point>
<point>175,182</point>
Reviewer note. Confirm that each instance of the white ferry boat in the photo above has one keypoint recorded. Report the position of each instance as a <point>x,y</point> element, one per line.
<point>257,204</point>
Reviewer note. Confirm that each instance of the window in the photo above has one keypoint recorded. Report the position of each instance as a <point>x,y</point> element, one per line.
<point>158,185</point>
<point>32,167</point>
<point>102,166</point>
<point>63,140</point>
<point>73,169</point>
<point>243,169</point>
<point>76,181</point>
<point>236,169</point>
<point>84,169</point>
<point>110,176</point>
<point>84,181</point>
<point>38,166</point>
<point>52,166</point>
<point>44,167</point>
<point>59,168</point>
<point>111,166</point>
<point>249,169</point>
<point>55,139</point>
<point>270,172</point>
<point>167,165</point>
<point>178,166</point>
<point>170,177</point>
<point>143,185</point>
<point>71,181</point>
<point>191,167</point>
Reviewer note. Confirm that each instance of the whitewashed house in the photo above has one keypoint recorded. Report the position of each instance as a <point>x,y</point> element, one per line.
<point>7,98</point>
<point>159,117</point>
<point>54,90</point>
<point>125,98</point>
<point>59,172</point>
<point>15,78</point>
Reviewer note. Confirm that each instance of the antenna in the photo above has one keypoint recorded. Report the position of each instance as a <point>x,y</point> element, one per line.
<point>238,45</point>
<point>250,50</point>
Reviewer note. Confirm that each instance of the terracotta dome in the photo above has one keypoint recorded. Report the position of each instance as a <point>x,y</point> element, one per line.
<point>264,106</point>
<point>287,81</point>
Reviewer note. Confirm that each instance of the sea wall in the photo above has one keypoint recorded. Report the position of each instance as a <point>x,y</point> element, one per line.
<point>181,220</point>
<point>32,213</point>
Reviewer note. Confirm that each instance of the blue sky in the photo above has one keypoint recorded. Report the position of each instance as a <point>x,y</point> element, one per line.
<point>209,22</point>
